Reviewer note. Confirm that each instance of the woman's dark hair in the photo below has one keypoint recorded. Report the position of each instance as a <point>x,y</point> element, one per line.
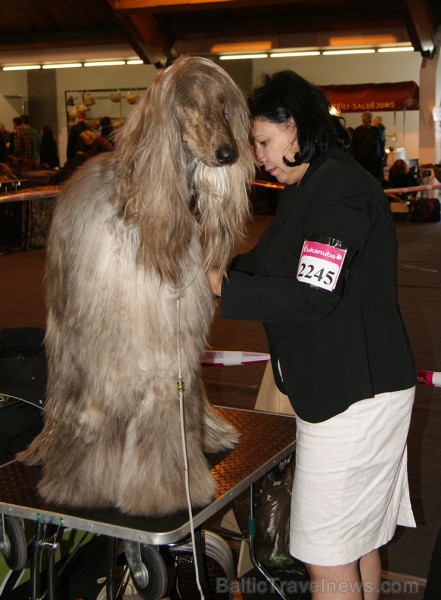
<point>399,167</point>
<point>286,95</point>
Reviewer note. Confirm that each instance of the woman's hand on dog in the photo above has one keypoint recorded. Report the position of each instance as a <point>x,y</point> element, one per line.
<point>215,280</point>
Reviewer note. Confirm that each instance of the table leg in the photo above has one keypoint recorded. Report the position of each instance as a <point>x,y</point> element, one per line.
<point>111,568</point>
<point>35,561</point>
<point>253,554</point>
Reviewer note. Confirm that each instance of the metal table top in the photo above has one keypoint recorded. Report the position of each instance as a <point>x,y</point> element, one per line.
<point>35,193</point>
<point>265,440</point>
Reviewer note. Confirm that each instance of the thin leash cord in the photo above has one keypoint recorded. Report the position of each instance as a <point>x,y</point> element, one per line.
<point>6,395</point>
<point>180,385</point>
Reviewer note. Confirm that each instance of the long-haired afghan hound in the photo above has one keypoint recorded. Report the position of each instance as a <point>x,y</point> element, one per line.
<point>129,304</point>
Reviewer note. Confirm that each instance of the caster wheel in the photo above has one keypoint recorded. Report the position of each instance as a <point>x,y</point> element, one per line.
<point>15,550</point>
<point>152,582</point>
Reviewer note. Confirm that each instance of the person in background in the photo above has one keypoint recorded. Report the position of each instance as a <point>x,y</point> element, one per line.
<point>22,143</point>
<point>94,144</point>
<point>377,121</point>
<point>367,146</point>
<point>323,281</point>
<point>91,144</point>
<point>4,143</point>
<point>74,141</point>
<point>36,137</point>
<point>107,130</point>
<point>400,176</point>
<point>49,150</point>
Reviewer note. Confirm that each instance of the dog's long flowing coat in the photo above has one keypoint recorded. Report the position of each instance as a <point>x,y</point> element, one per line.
<point>133,231</point>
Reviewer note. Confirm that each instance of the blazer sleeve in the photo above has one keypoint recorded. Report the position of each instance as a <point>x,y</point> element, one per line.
<point>344,203</point>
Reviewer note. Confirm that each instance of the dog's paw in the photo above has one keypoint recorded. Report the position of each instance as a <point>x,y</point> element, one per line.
<point>217,434</point>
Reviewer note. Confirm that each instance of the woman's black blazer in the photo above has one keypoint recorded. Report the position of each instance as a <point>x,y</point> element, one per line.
<point>328,350</point>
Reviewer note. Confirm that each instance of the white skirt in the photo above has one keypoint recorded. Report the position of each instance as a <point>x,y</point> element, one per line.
<point>350,487</point>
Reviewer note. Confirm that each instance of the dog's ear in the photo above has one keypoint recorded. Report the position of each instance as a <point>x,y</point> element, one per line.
<point>155,195</point>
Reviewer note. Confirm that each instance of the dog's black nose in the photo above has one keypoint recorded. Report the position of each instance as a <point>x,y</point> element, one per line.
<point>225,155</point>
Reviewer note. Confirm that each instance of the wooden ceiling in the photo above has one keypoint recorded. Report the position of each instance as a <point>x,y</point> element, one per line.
<point>160,30</point>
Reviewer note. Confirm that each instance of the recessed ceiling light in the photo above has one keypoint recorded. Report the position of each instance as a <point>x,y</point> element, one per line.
<point>353,51</point>
<point>241,56</point>
<point>22,68</point>
<point>396,49</point>
<point>105,63</point>
<point>288,54</point>
<point>62,66</point>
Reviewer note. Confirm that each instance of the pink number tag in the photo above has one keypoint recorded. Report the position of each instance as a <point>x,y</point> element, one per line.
<point>320,264</point>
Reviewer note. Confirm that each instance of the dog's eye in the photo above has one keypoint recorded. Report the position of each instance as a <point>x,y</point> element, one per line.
<point>225,109</point>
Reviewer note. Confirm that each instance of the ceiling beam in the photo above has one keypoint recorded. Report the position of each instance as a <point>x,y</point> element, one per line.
<point>145,36</point>
<point>419,25</point>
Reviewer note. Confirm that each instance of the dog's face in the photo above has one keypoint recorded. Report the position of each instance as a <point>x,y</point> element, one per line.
<point>207,109</point>
<point>183,159</point>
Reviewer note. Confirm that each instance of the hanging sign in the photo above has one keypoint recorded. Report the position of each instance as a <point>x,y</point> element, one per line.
<point>376,97</point>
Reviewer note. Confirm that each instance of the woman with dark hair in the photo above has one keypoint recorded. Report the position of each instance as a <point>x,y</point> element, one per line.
<point>322,279</point>
<point>400,176</point>
<point>48,148</point>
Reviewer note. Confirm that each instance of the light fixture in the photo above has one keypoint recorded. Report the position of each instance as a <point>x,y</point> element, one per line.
<point>289,54</point>
<point>135,61</point>
<point>105,63</point>
<point>241,56</point>
<point>353,51</point>
<point>22,68</point>
<point>62,66</point>
<point>396,49</point>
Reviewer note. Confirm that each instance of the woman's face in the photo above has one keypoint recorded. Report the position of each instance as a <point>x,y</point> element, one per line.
<point>272,142</point>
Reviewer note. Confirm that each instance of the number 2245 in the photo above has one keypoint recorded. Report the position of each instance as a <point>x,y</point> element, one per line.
<point>307,272</point>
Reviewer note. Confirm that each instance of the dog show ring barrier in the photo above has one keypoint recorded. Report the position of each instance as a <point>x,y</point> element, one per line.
<point>28,211</point>
<point>400,207</point>
<point>234,472</point>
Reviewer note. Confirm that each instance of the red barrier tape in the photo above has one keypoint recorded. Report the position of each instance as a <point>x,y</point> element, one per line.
<point>411,190</point>
<point>429,378</point>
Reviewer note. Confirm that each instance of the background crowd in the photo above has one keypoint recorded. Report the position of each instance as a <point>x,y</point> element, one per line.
<point>25,148</point>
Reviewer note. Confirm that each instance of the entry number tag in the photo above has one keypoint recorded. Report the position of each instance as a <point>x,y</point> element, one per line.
<point>320,265</point>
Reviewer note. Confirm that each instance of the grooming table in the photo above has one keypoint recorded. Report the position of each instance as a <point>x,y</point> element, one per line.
<point>265,441</point>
